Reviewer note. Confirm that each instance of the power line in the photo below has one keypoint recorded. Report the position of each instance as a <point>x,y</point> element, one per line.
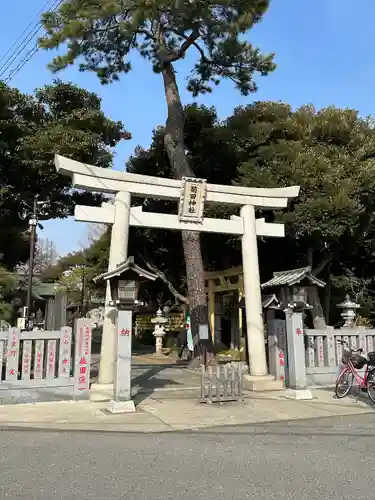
<point>19,39</point>
<point>24,43</point>
<point>8,63</point>
<point>24,61</point>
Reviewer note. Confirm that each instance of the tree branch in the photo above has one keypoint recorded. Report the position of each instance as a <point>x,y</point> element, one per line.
<point>163,277</point>
<point>189,41</point>
<point>322,264</point>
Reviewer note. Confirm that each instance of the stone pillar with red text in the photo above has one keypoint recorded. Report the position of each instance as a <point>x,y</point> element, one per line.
<point>296,356</point>
<point>122,392</point>
<point>82,358</point>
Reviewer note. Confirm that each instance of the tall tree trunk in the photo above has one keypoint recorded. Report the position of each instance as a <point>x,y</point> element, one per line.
<point>175,147</point>
<point>328,294</point>
<point>316,311</point>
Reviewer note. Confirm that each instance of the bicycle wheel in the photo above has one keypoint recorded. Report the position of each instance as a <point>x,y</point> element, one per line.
<point>344,383</point>
<point>370,383</point>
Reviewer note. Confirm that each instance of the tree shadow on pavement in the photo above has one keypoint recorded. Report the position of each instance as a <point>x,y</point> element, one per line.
<point>356,394</point>
<point>147,383</point>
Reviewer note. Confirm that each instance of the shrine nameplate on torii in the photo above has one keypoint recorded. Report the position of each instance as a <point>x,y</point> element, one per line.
<point>192,194</point>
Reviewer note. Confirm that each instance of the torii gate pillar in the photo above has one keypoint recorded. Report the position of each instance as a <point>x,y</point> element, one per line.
<point>118,253</point>
<point>253,298</point>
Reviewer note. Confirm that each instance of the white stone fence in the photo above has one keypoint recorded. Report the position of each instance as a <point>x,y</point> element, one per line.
<point>40,365</point>
<point>322,352</point>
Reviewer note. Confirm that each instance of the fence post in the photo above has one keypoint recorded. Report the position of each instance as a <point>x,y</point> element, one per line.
<point>277,348</point>
<point>65,351</point>
<point>272,343</point>
<point>362,341</point>
<point>296,356</point>
<point>26,359</point>
<point>82,357</point>
<point>12,354</point>
<point>329,347</point>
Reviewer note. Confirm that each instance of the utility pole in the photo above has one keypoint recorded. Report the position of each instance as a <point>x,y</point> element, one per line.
<point>32,224</point>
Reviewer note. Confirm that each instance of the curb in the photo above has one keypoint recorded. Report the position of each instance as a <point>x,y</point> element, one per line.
<point>144,390</point>
<point>105,428</point>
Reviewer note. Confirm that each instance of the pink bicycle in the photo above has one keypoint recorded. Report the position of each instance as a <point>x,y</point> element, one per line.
<point>354,361</point>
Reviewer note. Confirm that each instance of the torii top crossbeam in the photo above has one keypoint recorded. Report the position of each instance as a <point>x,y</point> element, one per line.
<point>111,181</point>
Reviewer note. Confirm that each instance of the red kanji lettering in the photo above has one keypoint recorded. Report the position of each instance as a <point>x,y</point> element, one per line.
<point>83,361</point>
<point>282,362</point>
<point>82,369</point>
<point>125,332</point>
<point>11,372</point>
<point>65,361</point>
<point>82,379</point>
<point>66,341</point>
<point>281,355</point>
<point>298,331</point>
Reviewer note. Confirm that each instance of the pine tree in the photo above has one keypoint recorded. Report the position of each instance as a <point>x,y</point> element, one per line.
<point>102,36</point>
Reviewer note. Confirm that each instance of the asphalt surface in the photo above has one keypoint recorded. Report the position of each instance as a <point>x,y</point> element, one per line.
<point>325,459</point>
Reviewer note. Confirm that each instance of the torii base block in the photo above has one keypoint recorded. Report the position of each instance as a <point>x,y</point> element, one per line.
<point>262,383</point>
<point>121,407</point>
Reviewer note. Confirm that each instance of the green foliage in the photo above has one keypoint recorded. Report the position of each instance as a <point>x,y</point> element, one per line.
<point>329,153</point>
<point>90,262</point>
<point>60,118</point>
<point>71,280</point>
<point>103,34</point>
<point>7,284</point>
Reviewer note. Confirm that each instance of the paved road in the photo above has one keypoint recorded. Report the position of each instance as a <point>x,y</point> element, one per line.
<point>325,459</point>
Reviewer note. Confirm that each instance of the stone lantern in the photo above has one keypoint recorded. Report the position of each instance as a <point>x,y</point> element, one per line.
<point>291,290</point>
<point>348,311</point>
<point>124,283</point>
<point>159,330</point>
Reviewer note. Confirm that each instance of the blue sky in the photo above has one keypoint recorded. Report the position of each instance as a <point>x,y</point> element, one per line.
<point>324,53</point>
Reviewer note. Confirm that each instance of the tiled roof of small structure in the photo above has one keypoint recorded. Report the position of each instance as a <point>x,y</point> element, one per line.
<point>292,277</point>
<point>127,265</point>
<point>267,300</point>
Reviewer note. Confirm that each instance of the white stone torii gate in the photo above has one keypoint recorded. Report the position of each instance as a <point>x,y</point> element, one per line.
<point>121,215</point>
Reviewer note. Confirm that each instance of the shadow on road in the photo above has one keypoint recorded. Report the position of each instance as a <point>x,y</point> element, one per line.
<point>355,394</point>
<point>148,382</point>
